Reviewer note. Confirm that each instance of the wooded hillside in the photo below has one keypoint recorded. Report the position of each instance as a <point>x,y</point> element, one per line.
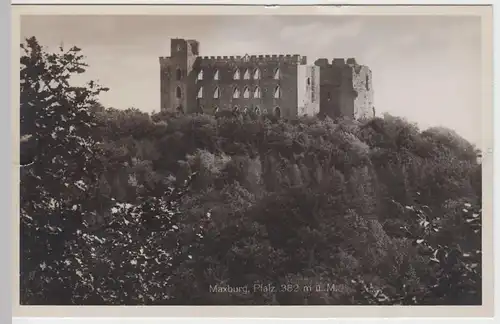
<point>124,207</point>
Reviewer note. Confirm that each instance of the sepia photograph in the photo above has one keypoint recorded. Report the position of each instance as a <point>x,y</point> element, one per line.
<point>237,160</point>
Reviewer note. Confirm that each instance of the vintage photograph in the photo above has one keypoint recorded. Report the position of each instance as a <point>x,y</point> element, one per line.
<point>250,160</point>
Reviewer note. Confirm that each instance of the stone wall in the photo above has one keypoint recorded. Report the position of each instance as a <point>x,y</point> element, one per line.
<point>363,85</point>
<point>192,83</point>
<point>256,84</point>
<point>308,83</point>
<point>344,88</point>
<point>176,76</point>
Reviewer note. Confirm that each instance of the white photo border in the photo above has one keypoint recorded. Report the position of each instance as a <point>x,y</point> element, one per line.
<point>9,64</point>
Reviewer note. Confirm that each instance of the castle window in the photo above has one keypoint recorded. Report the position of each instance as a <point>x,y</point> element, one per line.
<point>178,92</point>
<point>178,74</point>
<point>246,76</point>
<point>257,110</point>
<point>277,74</point>
<point>200,93</point>
<point>216,75</point>
<point>308,81</point>
<point>277,112</point>
<point>256,93</point>
<point>217,93</point>
<point>200,75</point>
<point>277,92</point>
<point>236,75</point>
<point>246,93</point>
<point>236,93</point>
<point>256,74</point>
<point>367,83</point>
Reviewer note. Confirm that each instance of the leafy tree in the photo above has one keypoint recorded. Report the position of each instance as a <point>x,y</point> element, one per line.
<point>59,187</point>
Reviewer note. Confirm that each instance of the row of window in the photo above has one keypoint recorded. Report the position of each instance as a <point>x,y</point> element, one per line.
<point>256,110</point>
<point>256,93</point>
<point>256,75</point>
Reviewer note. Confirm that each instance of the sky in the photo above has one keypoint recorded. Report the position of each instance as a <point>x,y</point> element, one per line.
<point>426,69</point>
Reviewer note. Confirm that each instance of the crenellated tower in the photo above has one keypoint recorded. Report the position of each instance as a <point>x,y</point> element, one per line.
<point>177,75</point>
<point>345,88</point>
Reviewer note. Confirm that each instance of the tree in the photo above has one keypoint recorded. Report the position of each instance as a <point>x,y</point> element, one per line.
<point>58,190</point>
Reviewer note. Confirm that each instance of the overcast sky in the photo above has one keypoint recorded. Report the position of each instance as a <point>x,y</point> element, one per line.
<point>425,68</point>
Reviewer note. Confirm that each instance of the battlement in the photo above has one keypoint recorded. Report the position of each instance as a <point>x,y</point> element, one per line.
<point>322,62</point>
<point>237,59</point>
<point>164,60</point>
<point>337,62</point>
<point>351,61</point>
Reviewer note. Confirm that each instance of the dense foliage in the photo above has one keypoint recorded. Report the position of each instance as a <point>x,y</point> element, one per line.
<point>124,207</point>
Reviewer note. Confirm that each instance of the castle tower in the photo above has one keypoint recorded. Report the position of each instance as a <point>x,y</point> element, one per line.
<point>345,89</point>
<point>176,75</point>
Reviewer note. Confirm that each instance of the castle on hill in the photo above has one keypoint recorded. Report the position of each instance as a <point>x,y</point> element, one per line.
<point>284,85</point>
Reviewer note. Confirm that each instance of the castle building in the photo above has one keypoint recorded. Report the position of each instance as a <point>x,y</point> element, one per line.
<point>284,85</point>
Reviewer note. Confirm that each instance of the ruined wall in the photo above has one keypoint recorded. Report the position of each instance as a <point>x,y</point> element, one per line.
<point>308,94</point>
<point>362,84</point>
<point>191,83</point>
<point>344,91</point>
<point>336,92</point>
<point>166,92</point>
<point>260,89</point>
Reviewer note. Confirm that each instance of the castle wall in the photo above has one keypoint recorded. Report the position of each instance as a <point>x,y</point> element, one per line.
<point>339,88</point>
<point>335,100</point>
<point>308,95</point>
<point>166,90</point>
<point>344,89</point>
<point>362,84</point>
<point>267,65</point>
